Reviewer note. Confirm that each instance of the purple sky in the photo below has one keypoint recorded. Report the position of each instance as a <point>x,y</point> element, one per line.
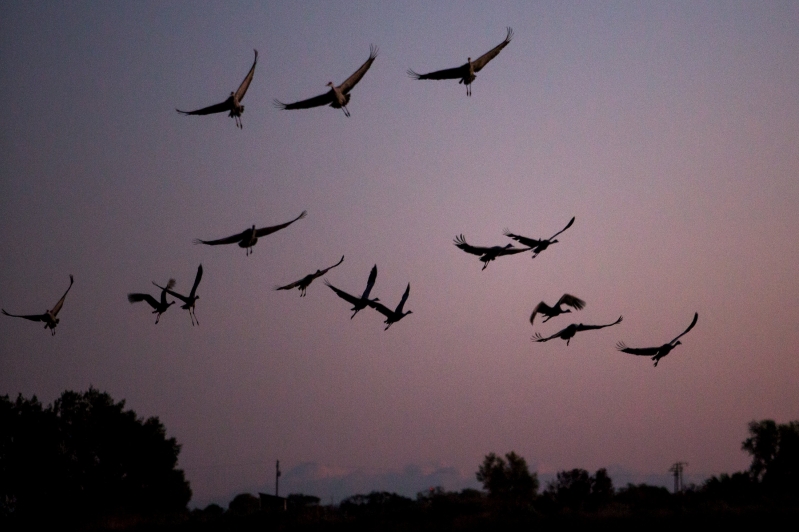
<point>669,130</point>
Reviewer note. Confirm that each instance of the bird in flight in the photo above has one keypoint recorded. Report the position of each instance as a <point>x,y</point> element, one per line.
<point>550,312</point>
<point>466,72</point>
<point>233,103</point>
<point>657,352</point>
<point>159,307</point>
<point>393,316</point>
<point>336,97</point>
<point>569,332</point>
<point>487,254</point>
<point>537,245</point>
<point>358,303</point>
<point>49,317</point>
<point>306,281</point>
<point>189,300</point>
<point>249,237</point>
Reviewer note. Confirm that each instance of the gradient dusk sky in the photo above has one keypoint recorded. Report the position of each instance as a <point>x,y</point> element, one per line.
<point>670,130</point>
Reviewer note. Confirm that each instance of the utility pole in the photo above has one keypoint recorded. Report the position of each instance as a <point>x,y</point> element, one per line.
<point>677,468</point>
<point>277,476</point>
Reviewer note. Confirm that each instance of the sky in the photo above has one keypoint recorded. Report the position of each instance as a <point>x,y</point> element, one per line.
<point>669,130</point>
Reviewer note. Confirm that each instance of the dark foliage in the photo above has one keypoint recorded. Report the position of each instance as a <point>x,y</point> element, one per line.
<point>775,455</point>
<point>508,480</point>
<point>85,457</point>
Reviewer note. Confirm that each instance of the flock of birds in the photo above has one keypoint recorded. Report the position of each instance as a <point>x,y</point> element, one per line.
<point>338,97</point>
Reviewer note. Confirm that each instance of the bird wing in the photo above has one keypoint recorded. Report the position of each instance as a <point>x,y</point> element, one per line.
<point>460,242</point>
<point>135,298</point>
<point>696,317</point>
<point>32,317</point>
<point>447,73</point>
<point>60,303</point>
<point>541,307</point>
<point>567,226</point>
<point>222,107</point>
<point>196,281</point>
<point>382,309</point>
<point>571,301</point>
<point>269,230</point>
<point>351,81</point>
<point>289,286</point>
<point>581,327</point>
<point>342,294</point>
<point>481,61</point>
<point>169,285</point>
<point>370,282</point>
<point>322,272</point>
<point>532,242</point>
<point>233,239</point>
<point>247,80</point>
<point>640,351</point>
<point>538,338</point>
<point>403,300</point>
<point>171,292</point>
<point>316,101</point>
<point>510,251</point>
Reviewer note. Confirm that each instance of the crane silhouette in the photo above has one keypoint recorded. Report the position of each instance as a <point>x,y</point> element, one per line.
<point>657,352</point>
<point>336,97</point>
<point>392,316</point>
<point>233,103</point>
<point>50,316</point>
<point>569,332</point>
<point>159,307</point>
<point>487,254</point>
<point>358,303</point>
<point>537,245</point>
<point>249,237</point>
<point>189,300</point>
<point>466,72</point>
<point>550,312</point>
<point>303,283</point>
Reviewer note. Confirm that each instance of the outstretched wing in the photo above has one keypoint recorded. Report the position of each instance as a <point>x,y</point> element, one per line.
<point>403,300</point>
<point>60,303</point>
<point>32,317</point>
<point>351,81</point>
<point>289,286</point>
<point>322,272</point>
<point>567,226</point>
<point>696,317</point>
<point>382,309</point>
<point>447,73</point>
<point>531,242</point>
<point>342,294</point>
<point>247,80</point>
<point>196,281</point>
<point>135,298</point>
<point>510,251</point>
<point>370,282</point>
<point>538,338</point>
<point>227,240</point>
<point>581,327</point>
<point>316,101</point>
<point>269,230</point>
<point>640,351</point>
<point>460,243</point>
<point>571,301</point>
<point>222,107</point>
<point>491,54</point>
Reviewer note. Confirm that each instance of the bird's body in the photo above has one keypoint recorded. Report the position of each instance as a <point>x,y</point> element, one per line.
<point>466,72</point>
<point>358,303</point>
<point>189,300</point>
<point>159,307</point>
<point>486,254</point>
<point>233,103</point>
<point>550,312</point>
<point>537,246</point>
<point>393,316</point>
<point>336,97</point>
<point>657,352</point>
<point>303,283</point>
<point>569,332</point>
<point>49,317</point>
<point>249,237</point>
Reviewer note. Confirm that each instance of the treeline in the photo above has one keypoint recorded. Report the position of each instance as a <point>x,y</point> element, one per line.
<point>85,462</point>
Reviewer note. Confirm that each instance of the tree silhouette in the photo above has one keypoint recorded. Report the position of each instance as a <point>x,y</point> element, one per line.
<point>775,454</point>
<point>508,480</point>
<point>84,456</point>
